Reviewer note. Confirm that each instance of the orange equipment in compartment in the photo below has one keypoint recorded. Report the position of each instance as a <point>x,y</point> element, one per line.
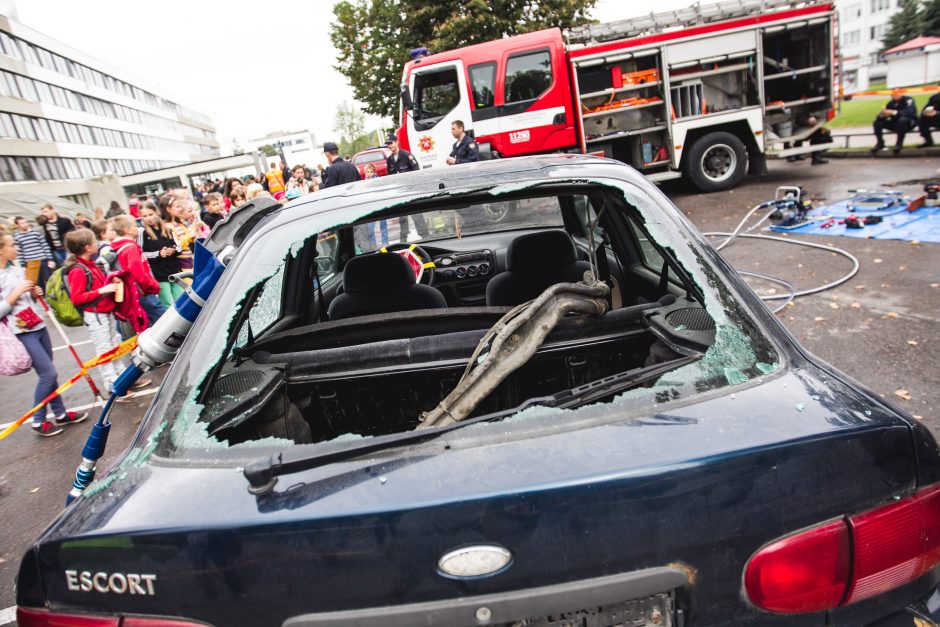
<point>626,102</point>
<point>618,79</point>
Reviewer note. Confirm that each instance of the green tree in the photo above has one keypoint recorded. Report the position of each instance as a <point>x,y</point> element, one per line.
<point>350,125</point>
<point>932,18</point>
<point>905,25</point>
<point>269,150</point>
<point>374,38</point>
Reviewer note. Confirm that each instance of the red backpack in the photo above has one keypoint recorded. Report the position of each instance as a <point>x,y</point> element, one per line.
<point>129,310</point>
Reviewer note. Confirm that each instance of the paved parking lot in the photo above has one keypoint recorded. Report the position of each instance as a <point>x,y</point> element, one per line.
<point>881,328</point>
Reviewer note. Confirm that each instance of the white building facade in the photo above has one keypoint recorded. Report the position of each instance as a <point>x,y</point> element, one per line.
<point>298,147</point>
<point>70,126</point>
<point>863,25</point>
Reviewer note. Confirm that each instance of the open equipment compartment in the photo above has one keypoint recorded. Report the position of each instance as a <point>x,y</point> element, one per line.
<point>797,77</point>
<point>623,99</point>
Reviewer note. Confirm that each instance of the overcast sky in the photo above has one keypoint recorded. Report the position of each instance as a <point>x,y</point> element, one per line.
<point>254,67</point>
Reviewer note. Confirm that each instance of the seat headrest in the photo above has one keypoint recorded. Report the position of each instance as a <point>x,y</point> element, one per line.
<point>536,252</point>
<point>377,271</point>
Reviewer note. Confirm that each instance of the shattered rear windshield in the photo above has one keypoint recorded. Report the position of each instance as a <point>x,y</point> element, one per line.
<point>318,381</point>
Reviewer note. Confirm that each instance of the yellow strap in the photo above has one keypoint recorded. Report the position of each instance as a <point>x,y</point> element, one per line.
<point>383,249</point>
<point>430,264</point>
<point>412,247</point>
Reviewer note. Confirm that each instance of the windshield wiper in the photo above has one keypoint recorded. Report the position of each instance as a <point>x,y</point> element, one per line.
<point>262,474</point>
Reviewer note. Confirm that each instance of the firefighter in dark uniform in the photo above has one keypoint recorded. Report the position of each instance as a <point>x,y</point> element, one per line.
<point>400,160</point>
<point>340,170</point>
<point>899,115</point>
<point>465,148</point>
<point>929,119</point>
<point>403,161</point>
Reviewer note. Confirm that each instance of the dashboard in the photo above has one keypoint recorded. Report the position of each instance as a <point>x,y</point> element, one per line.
<point>462,266</point>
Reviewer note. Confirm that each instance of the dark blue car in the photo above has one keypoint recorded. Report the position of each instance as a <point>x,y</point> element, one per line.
<point>519,392</point>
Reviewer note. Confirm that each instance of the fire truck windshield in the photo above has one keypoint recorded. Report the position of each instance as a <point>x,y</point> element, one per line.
<point>436,93</point>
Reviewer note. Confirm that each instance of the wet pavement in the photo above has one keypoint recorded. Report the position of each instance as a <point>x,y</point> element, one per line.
<point>882,328</point>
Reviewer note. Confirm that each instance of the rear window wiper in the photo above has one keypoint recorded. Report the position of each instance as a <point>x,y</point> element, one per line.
<point>262,474</point>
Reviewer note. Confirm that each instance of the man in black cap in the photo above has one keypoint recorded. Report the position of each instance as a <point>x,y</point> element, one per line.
<point>403,161</point>
<point>400,160</point>
<point>340,170</point>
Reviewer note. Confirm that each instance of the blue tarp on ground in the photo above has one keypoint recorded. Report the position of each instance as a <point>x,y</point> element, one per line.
<point>922,225</point>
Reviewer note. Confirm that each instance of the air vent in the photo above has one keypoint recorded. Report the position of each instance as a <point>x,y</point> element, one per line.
<point>692,318</point>
<point>236,384</point>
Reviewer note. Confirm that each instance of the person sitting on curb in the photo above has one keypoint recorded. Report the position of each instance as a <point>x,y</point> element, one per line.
<point>929,119</point>
<point>899,115</point>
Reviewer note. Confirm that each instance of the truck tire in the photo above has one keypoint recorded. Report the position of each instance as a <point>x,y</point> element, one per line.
<point>716,161</point>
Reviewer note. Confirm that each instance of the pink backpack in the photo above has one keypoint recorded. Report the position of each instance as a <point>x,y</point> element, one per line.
<point>14,359</point>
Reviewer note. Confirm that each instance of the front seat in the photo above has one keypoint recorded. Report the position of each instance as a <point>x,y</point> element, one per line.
<point>534,262</point>
<point>381,283</point>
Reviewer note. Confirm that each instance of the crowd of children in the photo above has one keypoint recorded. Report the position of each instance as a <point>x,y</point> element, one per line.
<point>116,274</point>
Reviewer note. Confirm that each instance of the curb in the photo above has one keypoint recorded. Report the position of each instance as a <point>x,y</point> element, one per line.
<point>865,153</point>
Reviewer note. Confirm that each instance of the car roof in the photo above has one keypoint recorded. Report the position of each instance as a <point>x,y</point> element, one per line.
<point>482,175</point>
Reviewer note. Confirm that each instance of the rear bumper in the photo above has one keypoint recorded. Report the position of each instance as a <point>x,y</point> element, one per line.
<point>509,607</point>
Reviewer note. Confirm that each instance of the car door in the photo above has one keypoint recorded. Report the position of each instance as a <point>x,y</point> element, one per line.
<point>440,96</point>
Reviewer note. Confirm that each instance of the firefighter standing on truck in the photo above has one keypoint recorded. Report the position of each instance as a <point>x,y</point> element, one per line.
<point>465,148</point>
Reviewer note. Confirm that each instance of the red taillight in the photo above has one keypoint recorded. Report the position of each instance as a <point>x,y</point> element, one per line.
<point>32,617</point>
<point>844,561</point>
<point>806,572</point>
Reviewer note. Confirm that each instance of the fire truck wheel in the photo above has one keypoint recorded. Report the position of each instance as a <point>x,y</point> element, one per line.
<point>716,161</point>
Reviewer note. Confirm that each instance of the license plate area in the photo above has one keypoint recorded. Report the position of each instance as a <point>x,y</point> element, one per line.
<point>657,610</point>
<point>650,594</point>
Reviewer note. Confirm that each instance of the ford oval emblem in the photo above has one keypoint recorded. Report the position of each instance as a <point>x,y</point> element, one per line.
<point>478,560</point>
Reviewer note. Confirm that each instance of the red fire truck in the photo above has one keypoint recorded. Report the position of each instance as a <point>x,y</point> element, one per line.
<point>707,92</point>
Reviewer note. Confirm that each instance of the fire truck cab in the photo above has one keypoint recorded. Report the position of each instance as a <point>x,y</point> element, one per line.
<point>706,92</point>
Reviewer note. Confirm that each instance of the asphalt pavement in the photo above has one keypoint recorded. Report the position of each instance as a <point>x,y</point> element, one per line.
<point>882,328</point>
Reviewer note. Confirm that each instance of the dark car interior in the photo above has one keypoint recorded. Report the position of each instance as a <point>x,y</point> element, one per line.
<point>371,335</point>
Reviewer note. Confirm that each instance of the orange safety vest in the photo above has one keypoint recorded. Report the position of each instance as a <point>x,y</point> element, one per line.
<point>275,181</point>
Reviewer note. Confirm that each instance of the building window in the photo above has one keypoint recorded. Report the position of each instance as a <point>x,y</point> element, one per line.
<point>852,12</point>
<point>851,38</point>
<point>880,5</point>
<point>878,32</point>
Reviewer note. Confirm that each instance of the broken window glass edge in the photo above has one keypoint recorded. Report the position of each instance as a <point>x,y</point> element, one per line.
<point>731,349</point>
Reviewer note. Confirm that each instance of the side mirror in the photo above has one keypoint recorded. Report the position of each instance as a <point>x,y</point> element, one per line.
<point>406,98</point>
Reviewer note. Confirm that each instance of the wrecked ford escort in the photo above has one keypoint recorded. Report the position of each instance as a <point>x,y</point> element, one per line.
<point>518,392</point>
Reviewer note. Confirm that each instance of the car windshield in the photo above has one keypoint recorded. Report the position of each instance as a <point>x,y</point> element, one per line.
<point>466,221</point>
<point>314,335</point>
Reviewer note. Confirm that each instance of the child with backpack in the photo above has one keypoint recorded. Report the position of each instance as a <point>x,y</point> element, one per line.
<point>105,234</point>
<point>93,295</point>
<point>131,259</point>
<point>161,252</point>
<point>19,312</point>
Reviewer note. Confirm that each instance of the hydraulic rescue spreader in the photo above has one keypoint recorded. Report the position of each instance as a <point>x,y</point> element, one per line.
<point>160,343</point>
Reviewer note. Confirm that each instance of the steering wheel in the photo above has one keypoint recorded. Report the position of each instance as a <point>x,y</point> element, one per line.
<point>418,258</point>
